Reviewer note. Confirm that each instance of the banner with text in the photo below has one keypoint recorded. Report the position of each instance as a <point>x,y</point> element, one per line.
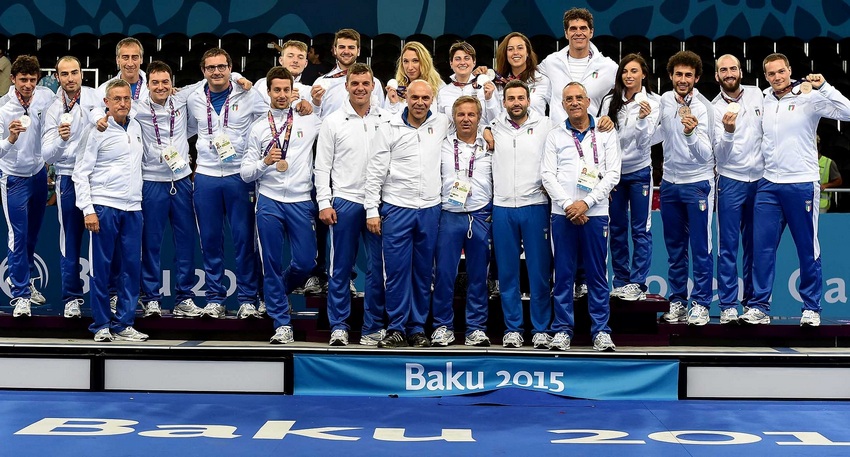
<point>590,378</point>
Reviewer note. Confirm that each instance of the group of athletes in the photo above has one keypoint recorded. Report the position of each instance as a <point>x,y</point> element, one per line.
<point>550,160</point>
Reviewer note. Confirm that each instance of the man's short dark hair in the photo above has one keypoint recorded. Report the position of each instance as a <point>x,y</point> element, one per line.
<point>26,65</point>
<point>573,14</point>
<point>215,52</point>
<point>359,69</point>
<point>517,83</point>
<point>278,72</point>
<point>685,58</point>
<point>159,66</point>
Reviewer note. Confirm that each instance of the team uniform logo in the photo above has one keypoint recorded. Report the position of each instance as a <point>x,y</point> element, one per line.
<point>808,206</point>
<point>646,190</point>
<point>605,232</point>
<point>430,131</point>
<point>791,107</point>
<point>530,131</point>
<point>702,205</point>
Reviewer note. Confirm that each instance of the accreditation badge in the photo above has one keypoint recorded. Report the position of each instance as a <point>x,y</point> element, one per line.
<point>459,192</point>
<point>224,148</point>
<point>173,159</point>
<point>588,178</point>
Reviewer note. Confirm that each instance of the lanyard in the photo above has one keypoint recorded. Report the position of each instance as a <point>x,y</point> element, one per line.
<point>504,80</point>
<point>69,106</point>
<point>787,89</point>
<point>730,99</point>
<point>209,108</point>
<point>25,106</point>
<point>276,135</point>
<point>471,81</point>
<point>338,74</point>
<point>156,126</point>
<point>139,85</point>
<point>592,144</point>
<point>471,159</point>
<point>686,100</point>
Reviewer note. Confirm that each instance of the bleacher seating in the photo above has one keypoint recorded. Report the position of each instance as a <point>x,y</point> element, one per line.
<point>22,44</point>
<point>150,44</point>
<point>51,47</point>
<point>639,45</point>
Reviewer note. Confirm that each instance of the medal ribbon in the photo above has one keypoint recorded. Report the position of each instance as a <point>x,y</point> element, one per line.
<point>139,85</point>
<point>788,88</point>
<point>70,106</point>
<point>457,160</point>
<point>592,145</point>
<point>276,135</point>
<point>25,106</point>
<point>730,99</point>
<point>210,109</point>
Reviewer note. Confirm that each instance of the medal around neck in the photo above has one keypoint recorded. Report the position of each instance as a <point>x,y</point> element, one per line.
<point>482,79</point>
<point>684,111</point>
<point>641,97</point>
<point>282,165</point>
<point>806,87</point>
<point>733,108</point>
<point>26,121</point>
<point>392,84</point>
<point>66,118</point>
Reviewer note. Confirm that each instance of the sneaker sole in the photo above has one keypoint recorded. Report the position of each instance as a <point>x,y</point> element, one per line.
<point>698,323</point>
<point>155,314</point>
<point>480,344</point>
<point>337,343</point>
<point>369,342</point>
<point>281,342</point>
<point>605,349</point>
<point>759,322</point>
<point>72,316</point>
<point>185,314</point>
<point>124,338</point>
<point>511,345</point>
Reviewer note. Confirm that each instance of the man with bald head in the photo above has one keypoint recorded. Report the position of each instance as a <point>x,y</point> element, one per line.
<point>403,177</point>
<point>740,165</point>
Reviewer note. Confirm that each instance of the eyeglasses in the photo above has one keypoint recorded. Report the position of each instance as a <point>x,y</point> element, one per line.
<point>219,68</point>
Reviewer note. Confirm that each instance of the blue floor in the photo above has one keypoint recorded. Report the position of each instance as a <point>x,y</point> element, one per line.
<point>514,423</point>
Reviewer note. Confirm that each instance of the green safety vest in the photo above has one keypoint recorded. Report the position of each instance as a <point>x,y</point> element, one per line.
<point>825,163</point>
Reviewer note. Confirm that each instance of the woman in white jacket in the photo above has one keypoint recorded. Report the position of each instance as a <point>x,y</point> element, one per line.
<point>633,108</point>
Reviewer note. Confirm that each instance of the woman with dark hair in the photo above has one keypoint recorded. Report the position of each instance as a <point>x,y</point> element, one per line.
<point>634,110</point>
<point>515,59</point>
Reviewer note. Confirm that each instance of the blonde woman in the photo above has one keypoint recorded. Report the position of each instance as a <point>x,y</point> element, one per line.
<point>414,63</point>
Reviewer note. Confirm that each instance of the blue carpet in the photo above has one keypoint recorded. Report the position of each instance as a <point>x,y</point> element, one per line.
<point>512,423</point>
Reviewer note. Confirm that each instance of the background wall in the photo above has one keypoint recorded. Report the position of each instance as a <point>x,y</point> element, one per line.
<point>744,18</point>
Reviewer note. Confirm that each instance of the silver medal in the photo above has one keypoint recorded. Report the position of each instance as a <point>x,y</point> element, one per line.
<point>25,121</point>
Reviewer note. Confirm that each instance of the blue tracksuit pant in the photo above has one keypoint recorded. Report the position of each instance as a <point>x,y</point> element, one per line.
<point>794,205</point>
<point>220,199</point>
<point>686,211</point>
<point>591,240</point>
<point>735,208</point>
<point>630,208</point>
<point>24,201</point>
<point>278,223</point>
<point>345,238</point>
<point>159,206</point>
<point>409,238</point>
<point>469,233</point>
<point>120,236</point>
<point>71,228</point>
<point>516,230</point>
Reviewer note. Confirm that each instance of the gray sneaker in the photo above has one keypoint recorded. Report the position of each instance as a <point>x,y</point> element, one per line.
<point>282,335</point>
<point>729,316</point>
<point>113,303</point>
<point>755,316</point>
<point>22,307</point>
<point>313,286</point>
<point>602,342</point>
<point>214,310</point>
<point>187,308</point>
<point>579,291</point>
<point>477,338</point>
<point>541,341</point>
<point>247,310</point>
<point>152,309</point>
<point>72,308</point>
<point>512,340</point>
<point>36,297</point>
<point>130,334</point>
<point>698,315</point>
<point>372,339</point>
<point>678,313</point>
<point>561,341</point>
<point>339,338</point>
<point>632,292</point>
<point>442,336</point>
<point>262,307</point>
<point>103,335</point>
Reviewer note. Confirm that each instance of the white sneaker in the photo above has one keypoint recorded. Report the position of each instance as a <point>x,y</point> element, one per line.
<point>247,310</point>
<point>617,292</point>
<point>152,309</point>
<point>113,303</point>
<point>339,338</point>
<point>698,315</point>
<point>214,310</point>
<point>754,316</point>
<point>512,340</point>
<point>810,318</point>
<point>187,308</point>
<point>560,341</point>
<point>103,335</point>
<point>22,307</point>
<point>541,341</point>
<point>729,316</point>
<point>678,313</point>
<point>493,288</point>
<point>282,335</point>
<point>262,308</point>
<point>602,342</point>
<point>632,292</point>
<point>477,338</point>
<point>72,308</point>
<point>312,286</point>
<point>130,334</point>
<point>36,297</point>
<point>373,339</point>
<point>353,289</point>
<point>579,291</point>
<point>442,336</point>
